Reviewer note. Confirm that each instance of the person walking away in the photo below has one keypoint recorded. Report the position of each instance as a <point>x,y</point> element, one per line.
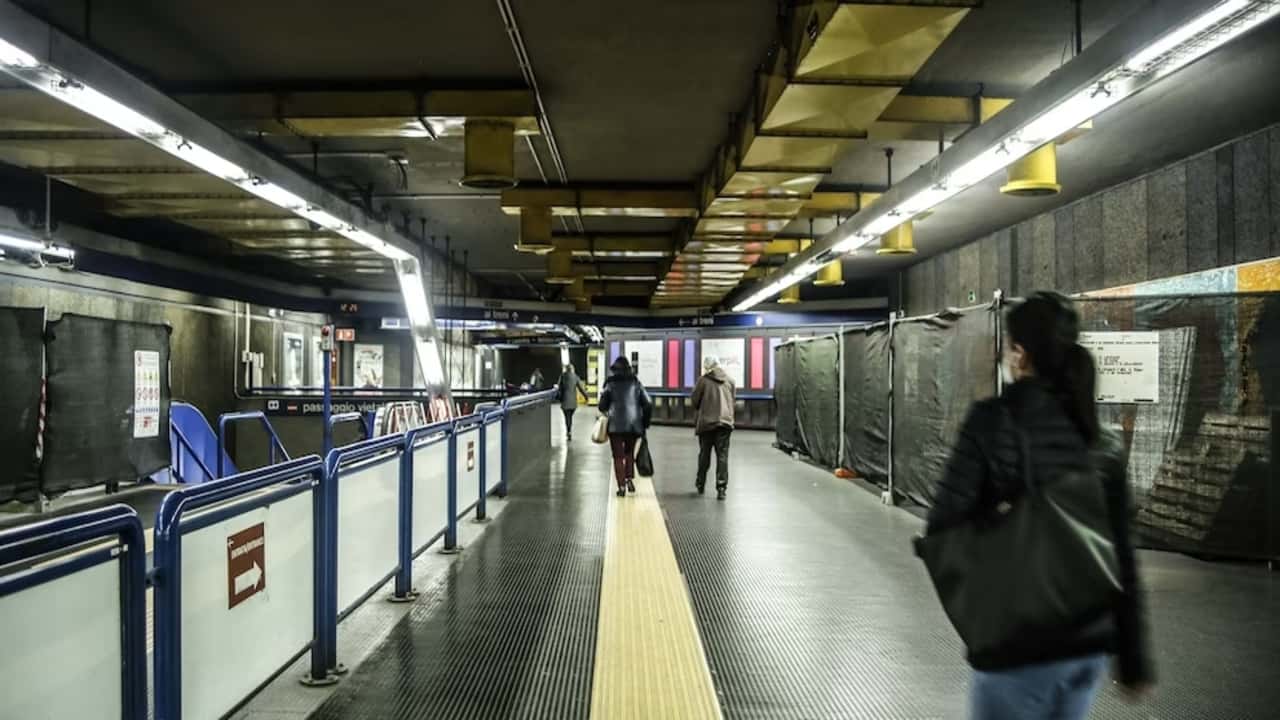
<point>713,404</point>
<point>1045,430</point>
<point>567,390</point>
<point>629,409</point>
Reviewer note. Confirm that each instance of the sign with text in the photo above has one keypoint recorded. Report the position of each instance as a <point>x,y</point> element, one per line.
<point>344,334</point>
<point>1128,365</point>
<point>246,564</point>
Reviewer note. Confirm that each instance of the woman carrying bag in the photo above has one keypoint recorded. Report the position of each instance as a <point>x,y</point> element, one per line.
<point>1028,542</point>
<point>629,410</point>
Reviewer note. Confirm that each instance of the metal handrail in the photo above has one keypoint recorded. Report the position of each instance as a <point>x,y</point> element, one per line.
<point>185,444</point>
<point>350,417</point>
<point>530,398</point>
<point>120,521</point>
<point>261,417</point>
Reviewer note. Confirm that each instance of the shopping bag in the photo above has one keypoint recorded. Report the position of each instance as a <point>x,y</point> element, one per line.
<point>600,433</point>
<point>644,461</point>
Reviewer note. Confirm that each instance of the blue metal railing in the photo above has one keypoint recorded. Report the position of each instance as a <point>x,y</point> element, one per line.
<point>274,443</point>
<point>240,493</point>
<point>415,440</point>
<point>39,540</point>
<point>187,450</point>
<point>350,418</point>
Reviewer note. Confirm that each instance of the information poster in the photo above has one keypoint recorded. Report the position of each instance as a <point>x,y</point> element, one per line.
<point>317,363</point>
<point>1128,365</point>
<point>295,359</point>
<point>732,355</point>
<point>146,394</point>
<point>646,357</point>
<point>368,366</point>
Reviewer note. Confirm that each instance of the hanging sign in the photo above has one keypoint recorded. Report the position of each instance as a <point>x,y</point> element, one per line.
<point>146,394</point>
<point>1128,365</point>
<point>246,564</point>
<point>345,334</point>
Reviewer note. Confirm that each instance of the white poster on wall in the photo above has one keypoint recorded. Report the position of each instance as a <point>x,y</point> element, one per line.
<point>646,357</point>
<point>368,366</point>
<point>295,358</point>
<point>732,353</point>
<point>146,393</point>
<point>317,363</point>
<point>1128,365</point>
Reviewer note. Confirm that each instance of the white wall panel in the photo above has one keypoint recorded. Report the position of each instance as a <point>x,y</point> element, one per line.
<point>62,653</point>
<point>430,492</point>
<point>493,456</point>
<point>228,653</point>
<point>469,470</point>
<point>368,507</point>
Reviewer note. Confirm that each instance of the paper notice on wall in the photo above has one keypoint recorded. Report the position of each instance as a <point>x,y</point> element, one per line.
<point>146,393</point>
<point>368,366</point>
<point>1128,365</point>
<point>646,359</point>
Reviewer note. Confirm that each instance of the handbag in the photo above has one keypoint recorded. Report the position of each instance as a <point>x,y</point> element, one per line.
<point>1043,562</point>
<point>600,433</point>
<point>644,461</point>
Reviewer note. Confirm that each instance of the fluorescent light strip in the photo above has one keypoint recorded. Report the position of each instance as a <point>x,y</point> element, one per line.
<point>1178,48</point>
<point>35,246</point>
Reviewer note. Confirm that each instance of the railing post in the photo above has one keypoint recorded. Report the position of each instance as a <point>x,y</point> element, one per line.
<point>483,451</point>
<point>451,528</point>
<point>327,402</point>
<point>404,591</point>
<point>324,651</point>
<point>502,479</point>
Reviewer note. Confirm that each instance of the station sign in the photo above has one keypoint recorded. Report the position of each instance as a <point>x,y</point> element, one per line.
<point>246,564</point>
<point>314,406</point>
<point>345,334</point>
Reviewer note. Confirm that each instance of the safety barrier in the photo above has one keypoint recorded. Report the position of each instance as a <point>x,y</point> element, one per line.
<point>251,570</point>
<point>237,563</point>
<point>79,580</point>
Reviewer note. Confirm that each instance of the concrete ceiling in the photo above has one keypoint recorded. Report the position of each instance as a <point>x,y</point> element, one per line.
<point>637,92</point>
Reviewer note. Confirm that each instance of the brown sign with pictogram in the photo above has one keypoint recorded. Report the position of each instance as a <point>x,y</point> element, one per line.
<point>471,455</point>
<point>246,564</point>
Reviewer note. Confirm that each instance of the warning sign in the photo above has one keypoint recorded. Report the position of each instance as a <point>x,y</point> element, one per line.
<point>471,455</point>
<point>246,564</point>
<point>1128,365</point>
<point>146,393</point>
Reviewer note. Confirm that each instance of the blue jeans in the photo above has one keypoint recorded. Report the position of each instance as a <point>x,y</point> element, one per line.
<point>1062,690</point>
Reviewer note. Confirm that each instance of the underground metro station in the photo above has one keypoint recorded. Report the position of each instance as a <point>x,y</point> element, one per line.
<point>744,359</point>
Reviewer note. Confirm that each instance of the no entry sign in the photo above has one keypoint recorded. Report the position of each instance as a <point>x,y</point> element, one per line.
<point>246,564</point>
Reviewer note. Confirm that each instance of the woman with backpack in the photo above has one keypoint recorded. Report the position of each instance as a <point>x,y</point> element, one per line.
<point>629,409</point>
<point>1028,540</point>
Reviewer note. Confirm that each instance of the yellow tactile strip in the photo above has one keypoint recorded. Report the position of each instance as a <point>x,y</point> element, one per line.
<point>649,659</point>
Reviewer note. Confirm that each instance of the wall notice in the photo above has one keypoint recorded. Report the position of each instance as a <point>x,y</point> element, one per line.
<point>731,352</point>
<point>368,366</point>
<point>246,564</point>
<point>1128,365</point>
<point>146,393</point>
<point>646,359</point>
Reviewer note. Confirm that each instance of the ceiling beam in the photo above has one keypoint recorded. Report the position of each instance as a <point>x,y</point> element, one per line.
<point>677,201</point>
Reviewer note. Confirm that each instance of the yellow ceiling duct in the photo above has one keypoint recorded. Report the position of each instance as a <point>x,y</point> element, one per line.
<point>790,296</point>
<point>831,275</point>
<point>560,267</point>
<point>535,230</point>
<point>490,162</point>
<point>1035,175</point>
<point>577,290</point>
<point>582,304</point>
<point>898,241</point>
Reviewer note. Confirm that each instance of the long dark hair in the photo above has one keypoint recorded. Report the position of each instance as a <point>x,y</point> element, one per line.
<point>1047,327</point>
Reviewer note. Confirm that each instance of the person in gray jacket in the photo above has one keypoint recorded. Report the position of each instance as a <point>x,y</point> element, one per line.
<point>567,391</point>
<point>713,403</point>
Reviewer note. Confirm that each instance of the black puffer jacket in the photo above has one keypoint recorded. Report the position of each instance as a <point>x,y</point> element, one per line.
<point>985,468</point>
<point>626,403</point>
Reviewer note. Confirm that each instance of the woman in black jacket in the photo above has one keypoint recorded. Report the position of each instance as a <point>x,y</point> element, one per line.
<point>1050,394</point>
<point>629,409</point>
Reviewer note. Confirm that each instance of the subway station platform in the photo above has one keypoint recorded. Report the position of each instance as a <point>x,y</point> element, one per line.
<point>798,597</point>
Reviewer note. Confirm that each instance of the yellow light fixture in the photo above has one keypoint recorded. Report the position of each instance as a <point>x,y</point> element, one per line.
<point>490,159</point>
<point>1035,175</point>
<point>560,267</point>
<point>898,241</point>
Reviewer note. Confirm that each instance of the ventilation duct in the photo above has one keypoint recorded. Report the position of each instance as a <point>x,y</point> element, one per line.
<point>1035,175</point>
<point>898,241</point>
<point>560,267</point>
<point>535,230</point>
<point>490,162</point>
<point>831,275</point>
<point>577,290</point>
<point>790,296</point>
